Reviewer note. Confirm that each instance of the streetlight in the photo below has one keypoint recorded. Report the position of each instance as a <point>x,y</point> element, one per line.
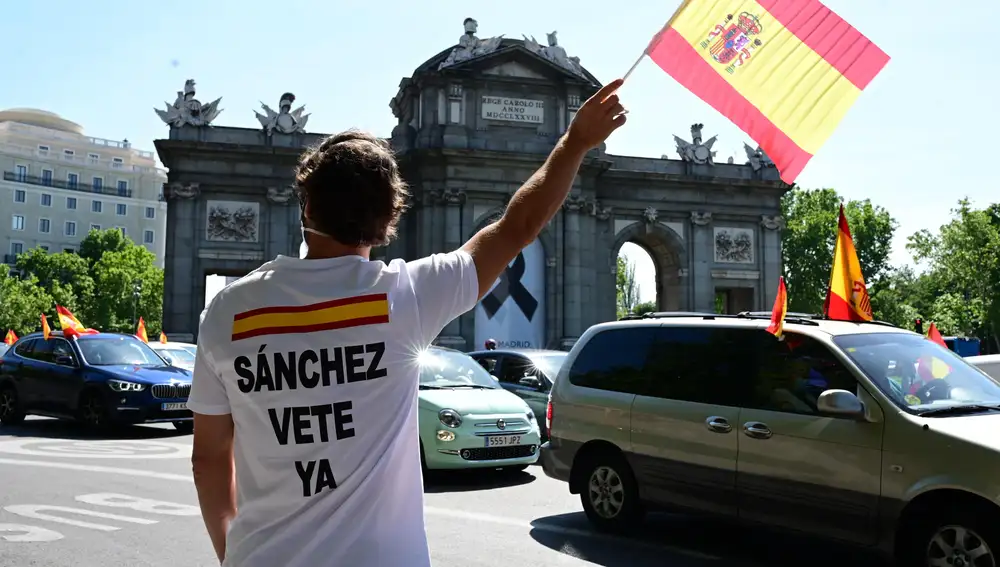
<point>136,294</point>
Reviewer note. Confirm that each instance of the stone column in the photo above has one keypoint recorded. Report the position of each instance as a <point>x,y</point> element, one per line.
<point>425,218</point>
<point>702,256</point>
<point>181,260</point>
<point>572,299</point>
<point>604,238</point>
<point>453,200</point>
<point>770,258</point>
<point>280,198</point>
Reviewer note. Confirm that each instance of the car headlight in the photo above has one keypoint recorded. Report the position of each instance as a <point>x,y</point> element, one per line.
<point>530,415</point>
<point>450,418</point>
<point>123,386</point>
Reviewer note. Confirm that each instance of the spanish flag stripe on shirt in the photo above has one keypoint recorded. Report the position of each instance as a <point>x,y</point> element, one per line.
<point>329,315</point>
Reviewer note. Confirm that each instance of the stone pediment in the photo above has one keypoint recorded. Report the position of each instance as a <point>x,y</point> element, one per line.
<point>514,69</point>
<point>512,59</point>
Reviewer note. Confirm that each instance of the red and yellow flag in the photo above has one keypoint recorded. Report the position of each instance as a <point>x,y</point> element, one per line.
<point>847,297</point>
<point>370,309</point>
<point>784,71</point>
<point>163,338</point>
<point>46,331</point>
<point>779,310</point>
<point>70,325</point>
<point>140,331</point>
<point>11,337</point>
<point>935,335</point>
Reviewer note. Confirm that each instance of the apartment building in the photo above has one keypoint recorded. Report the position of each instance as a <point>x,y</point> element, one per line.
<point>59,184</point>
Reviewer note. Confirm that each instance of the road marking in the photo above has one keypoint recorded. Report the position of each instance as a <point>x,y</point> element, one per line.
<point>35,511</point>
<point>144,450</point>
<point>563,530</point>
<point>25,534</point>
<point>144,505</point>
<point>99,469</point>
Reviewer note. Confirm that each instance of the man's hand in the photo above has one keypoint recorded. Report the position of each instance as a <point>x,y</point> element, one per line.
<point>538,200</point>
<point>601,115</point>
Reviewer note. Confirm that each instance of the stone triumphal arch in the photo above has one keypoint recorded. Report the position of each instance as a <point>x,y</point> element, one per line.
<point>473,122</point>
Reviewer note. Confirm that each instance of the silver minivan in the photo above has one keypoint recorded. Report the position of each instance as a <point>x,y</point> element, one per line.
<point>859,432</point>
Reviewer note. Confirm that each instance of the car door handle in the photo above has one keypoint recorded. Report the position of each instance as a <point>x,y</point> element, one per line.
<point>757,430</point>
<point>718,424</point>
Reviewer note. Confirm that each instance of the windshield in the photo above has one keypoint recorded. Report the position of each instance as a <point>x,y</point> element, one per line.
<point>447,369</point>
<point>918,374</point>
<point>549,364</point>
<point>117,351</point>
<point>179,355</point>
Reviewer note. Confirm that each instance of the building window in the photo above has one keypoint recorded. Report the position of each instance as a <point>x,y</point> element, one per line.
<point>17,222</point>
<point>455,116</point>
<point>44,247</point>
<point>69,250</point>
<point>47,177</point>
<point>121,229</point>
<point>71,203</point>
<point>122,188</point>
<point>43,150</point>
<point>72,181</point>
<point>96,227</point>
<point>98,184</point>
<point>68,155</point>
<point>21,173</point>
<point>150,213</point>
<point>16,248</point>
<point>70,228</point>
<point>121,209</point>
<point>93,158</point>
<point>117,163</point>
<point>44,225</point>
<point>20,196</point>
<point>96,207</point>
<point>147,237</point>
<point>45,200</point>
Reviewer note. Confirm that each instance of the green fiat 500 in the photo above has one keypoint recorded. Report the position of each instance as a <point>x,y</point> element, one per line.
<point>467,420</point>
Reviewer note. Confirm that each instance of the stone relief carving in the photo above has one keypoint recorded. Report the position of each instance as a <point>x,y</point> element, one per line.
<point>232,221</point>
<point>701,218</point>
<point>650,215</point>
<point>575,203</point>
<point>280,195</point>
<point>757,159</point>
<point>187,110</point>
<point>601,212</point>
<point>770,222</point>
<point>469,46</point>
<point>286,120</point>
<point>696,151</point>
<point>181,190</point>
<point>554,53</point>
<point>453,196</point>
<point>733,245</point>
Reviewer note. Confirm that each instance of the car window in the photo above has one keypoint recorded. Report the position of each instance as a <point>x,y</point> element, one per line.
<point>445,369</point>
<point>60,348</point>
<point>23,348</point>
<point>549,364</point>
<point>178,354</point>
<point>117,351</point>
<point>489,363</point>
<point>794,371</point>
<point>514,368</point>
<point>709,365</point>
<point>42,351</point>
<point>614,360</point>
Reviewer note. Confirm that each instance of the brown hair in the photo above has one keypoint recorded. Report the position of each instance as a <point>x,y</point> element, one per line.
<point>352,185</point>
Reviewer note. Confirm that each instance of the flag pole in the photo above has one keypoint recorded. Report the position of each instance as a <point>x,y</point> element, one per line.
<point>634,65</point>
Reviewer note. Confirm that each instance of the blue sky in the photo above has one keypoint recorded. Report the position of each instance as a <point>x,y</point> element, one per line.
<point>912,143</point>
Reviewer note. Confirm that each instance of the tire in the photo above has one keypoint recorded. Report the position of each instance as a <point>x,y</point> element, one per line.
<point>93,411</point>
<point>931,538</point>
<point>610,494</point>
<point>184,427</point>
<point>11,412</point>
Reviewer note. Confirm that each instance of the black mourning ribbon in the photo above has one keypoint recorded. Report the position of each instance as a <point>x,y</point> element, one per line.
<point>510,286</point>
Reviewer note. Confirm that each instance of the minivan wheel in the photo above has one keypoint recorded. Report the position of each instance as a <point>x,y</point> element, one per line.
<point>11,412</point>
<point>610,495</point>
<point>954,539</point>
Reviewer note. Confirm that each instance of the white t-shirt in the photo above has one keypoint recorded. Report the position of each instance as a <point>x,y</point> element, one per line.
<point>316,362</point>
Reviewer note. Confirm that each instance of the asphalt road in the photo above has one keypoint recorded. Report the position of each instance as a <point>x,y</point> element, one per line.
<point>81,501</point>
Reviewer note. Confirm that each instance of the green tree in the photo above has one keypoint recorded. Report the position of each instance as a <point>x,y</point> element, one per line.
<point>644,307</point>
<point>627,290</point>
<point>22,302</point>
<point>97,242</point>
<point>116,275</point>
<point>65,276</point>
<point>809,237</point>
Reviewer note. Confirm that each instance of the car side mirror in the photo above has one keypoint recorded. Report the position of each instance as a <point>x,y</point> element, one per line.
<point>168,360</point>
<point>840,403</point>
<point>65,361</point>
<point>530,382</point>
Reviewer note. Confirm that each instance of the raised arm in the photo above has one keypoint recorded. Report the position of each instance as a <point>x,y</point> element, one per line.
<point>538,200</point>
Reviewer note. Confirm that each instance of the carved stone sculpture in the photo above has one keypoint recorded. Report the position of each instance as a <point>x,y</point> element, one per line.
<point>286,120</point>
<point>181,190</point>
<point>701,218</point>
<point>554,53</point>
<point>575,203</point>
<point>232,221</point>
<point>280,195</point>
<point>453,196</point>
<point>696,151</point>
<point>469,46</point>
<point>189,111</point>
<point>772,222</point>
<point>650,215</point>
<point>757,159</point>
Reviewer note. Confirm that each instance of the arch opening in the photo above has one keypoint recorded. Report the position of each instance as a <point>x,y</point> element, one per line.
<point>654,257</point>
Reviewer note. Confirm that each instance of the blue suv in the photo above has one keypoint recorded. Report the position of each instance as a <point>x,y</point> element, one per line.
<point>100,379</point>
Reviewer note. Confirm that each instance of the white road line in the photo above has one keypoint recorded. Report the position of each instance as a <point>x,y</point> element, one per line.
<point>446,512</point>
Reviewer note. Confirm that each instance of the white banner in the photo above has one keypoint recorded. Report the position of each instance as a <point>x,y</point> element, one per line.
<point>513,312</point>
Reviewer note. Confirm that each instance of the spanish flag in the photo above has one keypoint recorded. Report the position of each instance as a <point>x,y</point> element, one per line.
<point>140,331</point>
<point>935,335</point>
<point>780,309</point>
<point>70,325</point>
<point>784,71</point>
<point>163,338</point>
<point>46,331</point>
<point>847,297</point>
<point>11,338</point>
<point>343,313</point>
